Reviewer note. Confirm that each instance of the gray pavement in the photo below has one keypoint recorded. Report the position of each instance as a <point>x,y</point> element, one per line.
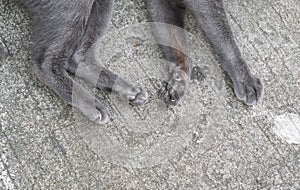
<point>209,141</point>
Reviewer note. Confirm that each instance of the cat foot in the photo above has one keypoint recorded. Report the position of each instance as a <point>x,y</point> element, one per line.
<point>137,96</point>
<point>169,94</point>
<point>249,90</point>
<point>91,107</point>
<point>102,116</point>
<point>173,90</point>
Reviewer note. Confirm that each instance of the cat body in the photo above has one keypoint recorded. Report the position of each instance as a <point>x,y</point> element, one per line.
<point>64,30</point>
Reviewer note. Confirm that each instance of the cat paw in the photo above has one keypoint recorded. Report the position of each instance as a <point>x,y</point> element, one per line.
<point>137,96</point>
<point>169,94</point>
<point>173,90</point>
<point>249,90</point>
<point>102,116</point>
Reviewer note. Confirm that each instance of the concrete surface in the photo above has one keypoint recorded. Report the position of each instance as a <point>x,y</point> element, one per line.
<point>210,141</point>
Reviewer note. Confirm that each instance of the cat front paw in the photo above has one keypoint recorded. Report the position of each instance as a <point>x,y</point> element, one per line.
<point>103,116</point>
<point>169,94</point>
<point>138,96</point>
<point>249,90</point>
<point>173,90</point>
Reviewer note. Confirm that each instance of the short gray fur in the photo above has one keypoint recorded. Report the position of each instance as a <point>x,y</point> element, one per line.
<point>64,30</point>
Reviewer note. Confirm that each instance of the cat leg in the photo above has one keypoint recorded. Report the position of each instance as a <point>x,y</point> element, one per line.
<point>211,17</point>
<point>168,18</point>
<point>58,28</point>
<point>106,80</point>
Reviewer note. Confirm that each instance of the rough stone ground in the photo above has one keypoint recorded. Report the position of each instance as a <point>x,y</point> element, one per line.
<point>210,141</point>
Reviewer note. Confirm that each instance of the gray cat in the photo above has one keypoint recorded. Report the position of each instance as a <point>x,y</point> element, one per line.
<point>64,30</point>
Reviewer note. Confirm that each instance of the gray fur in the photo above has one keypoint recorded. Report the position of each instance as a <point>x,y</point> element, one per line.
<point>64,30</point>
<point>211,18</point>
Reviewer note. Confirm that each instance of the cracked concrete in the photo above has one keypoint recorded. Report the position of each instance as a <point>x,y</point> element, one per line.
<point>220,143</point>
